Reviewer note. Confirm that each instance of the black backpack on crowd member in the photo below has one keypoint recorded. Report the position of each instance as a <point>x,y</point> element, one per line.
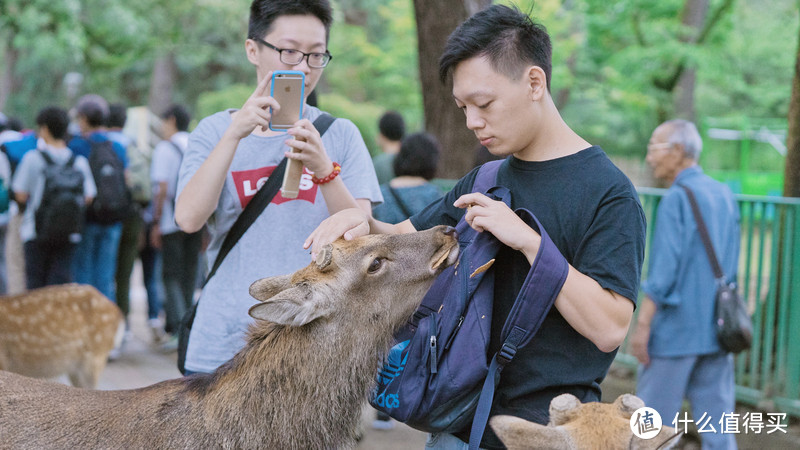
<point>60,215</point>
<point>113,202</point>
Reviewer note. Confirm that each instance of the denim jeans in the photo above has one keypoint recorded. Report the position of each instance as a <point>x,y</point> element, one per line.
<point>47,266</point>
<point>95,260</point>
<point>706,380</point>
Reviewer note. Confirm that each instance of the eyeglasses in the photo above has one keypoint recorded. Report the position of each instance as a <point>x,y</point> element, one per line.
<point>293,57</point>
<point>665,145</point>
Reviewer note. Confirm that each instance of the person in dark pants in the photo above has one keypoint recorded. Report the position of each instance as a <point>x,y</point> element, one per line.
<point>46,265</point>
<point>180,250</point>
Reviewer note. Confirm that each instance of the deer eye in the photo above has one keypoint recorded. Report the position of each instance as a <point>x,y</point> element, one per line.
<point>375,265</point>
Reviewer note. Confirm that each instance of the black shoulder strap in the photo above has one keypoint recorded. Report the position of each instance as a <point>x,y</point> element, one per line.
<point>47,159</point>
<point>701,227</point>
<point>260,201</point>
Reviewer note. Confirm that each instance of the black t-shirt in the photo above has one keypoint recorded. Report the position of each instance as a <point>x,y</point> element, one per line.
<point>592,213</point>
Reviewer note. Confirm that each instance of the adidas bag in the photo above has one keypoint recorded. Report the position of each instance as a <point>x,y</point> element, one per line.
<point>113,202</point>
<point>60,215</point>
<point>439,377</point>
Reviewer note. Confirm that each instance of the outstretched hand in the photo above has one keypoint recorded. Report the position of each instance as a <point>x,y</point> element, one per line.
<point>494,216</point>
<point>256,110</point>
<point>349,223</point>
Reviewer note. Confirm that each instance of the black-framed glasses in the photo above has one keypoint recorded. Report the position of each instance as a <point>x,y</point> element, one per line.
<point>293,57</point>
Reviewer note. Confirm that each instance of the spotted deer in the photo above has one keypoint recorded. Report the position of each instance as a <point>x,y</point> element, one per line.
<point>300,382</point>
<point>578,426</point>
<point>66,329</point>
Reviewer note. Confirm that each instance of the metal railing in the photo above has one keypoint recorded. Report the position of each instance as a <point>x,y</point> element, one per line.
<point>768,375</point>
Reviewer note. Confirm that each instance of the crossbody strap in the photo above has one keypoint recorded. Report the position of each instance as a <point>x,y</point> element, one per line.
<point>704,236</point>
<point>260,201</point>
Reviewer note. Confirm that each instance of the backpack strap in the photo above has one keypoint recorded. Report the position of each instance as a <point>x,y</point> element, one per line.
<point>49,161</point>
<point>487,176</point>
<point>537,295</point>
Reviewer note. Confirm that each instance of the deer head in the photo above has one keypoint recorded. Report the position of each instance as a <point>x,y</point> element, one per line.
<point>375,280</point>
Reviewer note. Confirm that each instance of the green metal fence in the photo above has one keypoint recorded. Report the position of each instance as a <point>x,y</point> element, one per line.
<point>767,376</point>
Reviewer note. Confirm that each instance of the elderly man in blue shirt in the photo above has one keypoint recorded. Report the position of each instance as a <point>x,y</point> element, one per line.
<point>675,339</point>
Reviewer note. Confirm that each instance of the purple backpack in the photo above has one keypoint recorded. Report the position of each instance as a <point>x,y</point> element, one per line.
<point>439,376</point>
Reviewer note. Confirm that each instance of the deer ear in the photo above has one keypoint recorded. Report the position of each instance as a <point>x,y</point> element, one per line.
<point>266,288</point>
<point>562,407</point>
<point>293,307</point>
<point>519,434</point>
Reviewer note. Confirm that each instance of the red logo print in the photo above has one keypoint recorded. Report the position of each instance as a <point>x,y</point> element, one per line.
<point>248,182</point>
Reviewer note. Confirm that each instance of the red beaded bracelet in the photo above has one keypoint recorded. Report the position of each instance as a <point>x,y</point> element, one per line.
<point>336,169</point>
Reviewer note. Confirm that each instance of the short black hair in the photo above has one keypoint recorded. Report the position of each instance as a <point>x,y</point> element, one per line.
<point>117,115</point>
<point>264,12</point>
<point>55,119</point>
<point>94,108</point>
<point>392,126</point>
<point>418,156</point>
<point>181,115</point>
<point>509,38</point>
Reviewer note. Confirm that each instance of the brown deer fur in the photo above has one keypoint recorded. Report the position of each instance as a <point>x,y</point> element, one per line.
<point>66,329</point>
<point>299,383</point>
<point>577,426</point>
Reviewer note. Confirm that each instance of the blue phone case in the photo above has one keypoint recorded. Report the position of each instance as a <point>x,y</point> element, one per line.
<point>302,92</point>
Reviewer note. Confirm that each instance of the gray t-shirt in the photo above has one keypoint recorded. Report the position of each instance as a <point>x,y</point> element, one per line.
<point>29,178</point>
<point>166,163</point>
<point>273,245</point>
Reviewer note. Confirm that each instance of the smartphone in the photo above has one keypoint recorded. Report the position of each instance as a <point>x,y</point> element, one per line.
<point>287,89</point>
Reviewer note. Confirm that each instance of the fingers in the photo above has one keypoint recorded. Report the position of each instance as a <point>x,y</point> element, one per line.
<point>261,89</point>
<point>474,198</point>
<point>349,223</point>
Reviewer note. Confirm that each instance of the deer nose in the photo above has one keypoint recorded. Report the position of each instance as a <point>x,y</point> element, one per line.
<point>450,231</point>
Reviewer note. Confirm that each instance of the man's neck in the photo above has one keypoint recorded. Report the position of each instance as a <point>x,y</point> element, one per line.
<point>392,147</point>
<point>555,139</point>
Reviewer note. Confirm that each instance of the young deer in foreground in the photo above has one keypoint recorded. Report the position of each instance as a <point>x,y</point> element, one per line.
<point>299,383</point>
<point>66,329</point>
<point>577,426</point>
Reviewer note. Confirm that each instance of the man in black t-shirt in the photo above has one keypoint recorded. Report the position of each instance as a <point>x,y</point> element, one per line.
<point>500,63</point>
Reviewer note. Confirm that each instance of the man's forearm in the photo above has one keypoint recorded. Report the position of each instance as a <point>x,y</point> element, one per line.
<point>200,196</point>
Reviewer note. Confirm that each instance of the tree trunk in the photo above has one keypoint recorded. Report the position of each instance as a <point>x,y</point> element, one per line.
<point>791,176</point>
<point>8,83</point>
<point>693,17</point>
<point>162,82</point>
<point>436,19</point>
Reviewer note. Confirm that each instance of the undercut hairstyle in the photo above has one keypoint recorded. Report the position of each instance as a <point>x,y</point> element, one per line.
<point>94,108</point>
<point>264,12</point>
<point>181,115</point>
<point>685,133</point>
<point>117,115</point>
<point>55,119</point>
<point>509,38</point>
<point>392,126</point>
<point>418,156</point>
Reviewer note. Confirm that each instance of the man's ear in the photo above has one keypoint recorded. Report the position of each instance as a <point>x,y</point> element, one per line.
<point>537,82</point>
<point>251,49</point>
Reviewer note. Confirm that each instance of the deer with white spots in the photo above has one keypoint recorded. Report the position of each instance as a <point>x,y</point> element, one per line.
<point>66,329</point>
<point>299,383</point>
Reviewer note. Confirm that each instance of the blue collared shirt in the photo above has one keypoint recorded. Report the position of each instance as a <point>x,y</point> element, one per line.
<point>680,279</point>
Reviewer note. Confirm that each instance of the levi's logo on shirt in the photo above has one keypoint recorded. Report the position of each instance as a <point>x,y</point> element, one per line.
<point>248,182</point>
